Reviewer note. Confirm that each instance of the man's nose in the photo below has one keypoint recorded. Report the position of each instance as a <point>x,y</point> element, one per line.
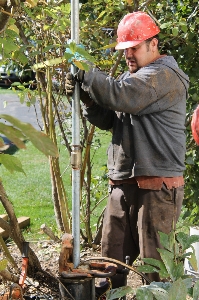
<point>129,53</point>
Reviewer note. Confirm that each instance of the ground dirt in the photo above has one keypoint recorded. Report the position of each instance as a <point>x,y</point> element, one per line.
<point>48,255</point>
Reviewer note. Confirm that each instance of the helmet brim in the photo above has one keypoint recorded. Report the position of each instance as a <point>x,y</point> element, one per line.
<point>128,44</point>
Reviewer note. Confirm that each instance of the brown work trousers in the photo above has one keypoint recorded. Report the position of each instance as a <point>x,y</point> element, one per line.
<point>132,220</point>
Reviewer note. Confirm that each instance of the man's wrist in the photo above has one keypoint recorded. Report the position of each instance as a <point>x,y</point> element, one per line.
<point>89,104</point>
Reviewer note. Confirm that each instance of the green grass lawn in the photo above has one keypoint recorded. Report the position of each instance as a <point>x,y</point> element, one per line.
<point>30,194</point>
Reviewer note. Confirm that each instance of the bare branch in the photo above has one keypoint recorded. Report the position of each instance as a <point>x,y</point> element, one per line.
<point>15,233</point>
<point>49,232</point>
<point>136,5</point>
<point>114,68</point>
<point>21,33</point>
<point>7,253</point>
<point>9,276</point>
<point>144,4</point>
<point>4,224</point>
<point>152,16</point>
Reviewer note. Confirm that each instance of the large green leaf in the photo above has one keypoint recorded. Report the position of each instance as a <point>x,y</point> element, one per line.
<point>193,239</point>
<point>196,291</point>
<point>178,290</point>
<point>13,134</point>
<point>119,292</point>
<point>178,271</point>
<point>3,264</point>
<point>153,262</point>
<point>163,273</point>
<point>167,240</point>
<point>85,54</point>
<point>186,241</point>
<point>112,45</point>
<point>40,140</point>
<point>20,57</point>
<point>50,62</point>
<point>193,261</point>
<point>188,282</point>
<point>11,163</point>
<point>162,285</point>
<point>147,269</point>
<point>8,45</point>
<point>143,293</point>
<point>175,31</point>
<point>156,263</point>
<point>73,47</point>
<point>159,293</point>
<point>81,65</point>
<point>167,257</point>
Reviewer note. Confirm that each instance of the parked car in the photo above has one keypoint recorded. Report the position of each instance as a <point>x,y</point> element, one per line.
<point>25,77</point>
<point>6,79</point>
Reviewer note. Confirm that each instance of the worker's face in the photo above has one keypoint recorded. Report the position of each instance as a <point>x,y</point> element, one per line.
<point>140,55</point>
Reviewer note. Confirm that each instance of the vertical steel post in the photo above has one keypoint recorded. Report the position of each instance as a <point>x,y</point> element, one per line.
<point>76,149</point>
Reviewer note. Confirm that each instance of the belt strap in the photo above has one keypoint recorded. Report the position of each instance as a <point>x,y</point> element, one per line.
<point>131,180</point>
<point>151,182</point>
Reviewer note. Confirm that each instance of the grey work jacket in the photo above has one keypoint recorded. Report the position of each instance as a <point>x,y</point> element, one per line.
<point>146,111</point>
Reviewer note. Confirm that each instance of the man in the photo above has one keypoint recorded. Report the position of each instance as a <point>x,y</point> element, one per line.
<point>146,109</point>
<point>195,125</point>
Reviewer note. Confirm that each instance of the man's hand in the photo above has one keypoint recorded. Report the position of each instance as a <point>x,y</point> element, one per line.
<point>71,81</point>
<point>70,84</point>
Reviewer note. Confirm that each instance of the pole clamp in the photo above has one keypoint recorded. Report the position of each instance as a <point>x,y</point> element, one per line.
<point>76,157</point>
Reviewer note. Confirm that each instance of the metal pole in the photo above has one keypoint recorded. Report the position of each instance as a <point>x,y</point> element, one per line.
<point>76,149</point>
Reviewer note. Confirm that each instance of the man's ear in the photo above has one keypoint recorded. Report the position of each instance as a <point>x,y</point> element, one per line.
<point>154,44</point>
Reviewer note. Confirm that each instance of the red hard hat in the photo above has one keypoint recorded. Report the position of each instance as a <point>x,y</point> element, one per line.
<point>195,125</point>
<point>135,28</point>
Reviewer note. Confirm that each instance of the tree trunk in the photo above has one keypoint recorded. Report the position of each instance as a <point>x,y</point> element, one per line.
<point>15,232</point>
<point>55,199</point>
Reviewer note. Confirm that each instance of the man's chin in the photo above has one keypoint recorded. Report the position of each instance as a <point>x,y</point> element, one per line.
<point>133,69</point>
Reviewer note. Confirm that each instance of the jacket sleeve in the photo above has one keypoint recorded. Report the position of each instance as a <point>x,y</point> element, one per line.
<point>149,90</point>
<point>99,116</point>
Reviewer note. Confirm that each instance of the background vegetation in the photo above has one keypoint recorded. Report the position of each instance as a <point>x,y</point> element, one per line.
<point>35,35</point>
<point>38,34</point>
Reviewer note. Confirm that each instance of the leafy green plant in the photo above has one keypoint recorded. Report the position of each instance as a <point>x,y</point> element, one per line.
<point>177,247</point>
<point>178,290</point>
<point>172,256</point>
<point>175,285</point>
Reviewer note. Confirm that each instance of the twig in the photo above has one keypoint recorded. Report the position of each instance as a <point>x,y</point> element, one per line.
<point>5,12</point>
<point>152,16</point>
<point>114,68</point>
<point>145,4</point>
<point>194,12</point>
<point>101,200</point>
<point>136,5</point>
<point>7,253</point>
<point>8,276</point>
<point>98,237</point>
<point>49,232</point>
<point>4,225</point>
